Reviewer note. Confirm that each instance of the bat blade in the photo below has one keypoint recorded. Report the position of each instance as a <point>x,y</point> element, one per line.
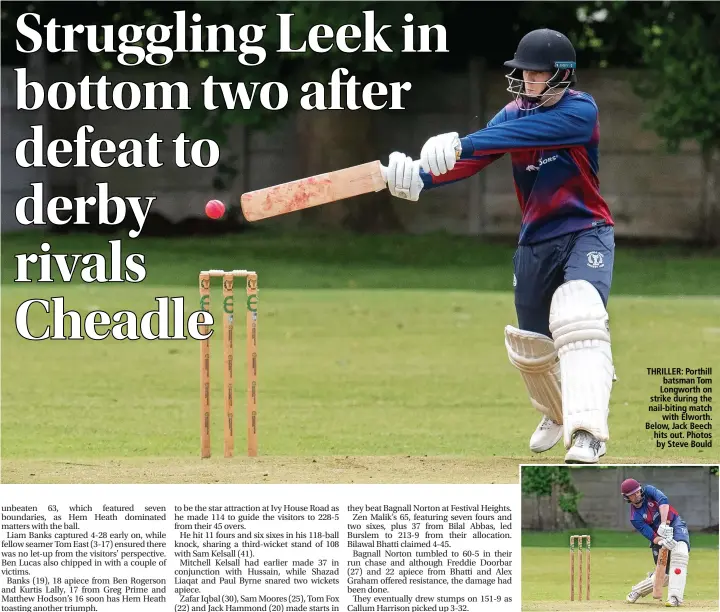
<point>313,191</point>
<point>659,578</point>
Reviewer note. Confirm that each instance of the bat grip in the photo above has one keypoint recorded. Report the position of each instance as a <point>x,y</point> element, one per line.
<point>383,169</point>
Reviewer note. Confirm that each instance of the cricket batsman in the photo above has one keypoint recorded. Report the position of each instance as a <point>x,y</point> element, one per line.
<point>564,261</point>
<point>652,515</point>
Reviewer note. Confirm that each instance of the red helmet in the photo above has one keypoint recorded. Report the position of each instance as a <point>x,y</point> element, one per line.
<point>630,486</point>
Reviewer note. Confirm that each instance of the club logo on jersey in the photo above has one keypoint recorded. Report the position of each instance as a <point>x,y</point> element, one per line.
<point>541,163</point>
<point>595,259</point>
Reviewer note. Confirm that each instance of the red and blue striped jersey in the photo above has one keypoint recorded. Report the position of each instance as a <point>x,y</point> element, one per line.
<point>646,518</point>
<point>554,153</point>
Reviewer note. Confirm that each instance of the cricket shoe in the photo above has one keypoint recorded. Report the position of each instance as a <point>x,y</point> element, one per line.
<point>546,435</point>
<point>672,602</point>
<point>585,449</point>
<point>633,596</point>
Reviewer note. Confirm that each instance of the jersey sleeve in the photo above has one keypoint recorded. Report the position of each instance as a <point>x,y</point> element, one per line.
<point>568,125</point>
<point>656,494</point>
<point>645,529</point>
<point>465,168</point>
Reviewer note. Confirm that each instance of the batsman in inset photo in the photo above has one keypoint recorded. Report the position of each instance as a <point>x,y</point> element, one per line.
<point>563,265</point>
<point>653,516</point>
<point>627,531</point>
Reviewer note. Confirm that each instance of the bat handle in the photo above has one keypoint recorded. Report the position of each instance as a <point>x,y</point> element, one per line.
<point>383,169</point>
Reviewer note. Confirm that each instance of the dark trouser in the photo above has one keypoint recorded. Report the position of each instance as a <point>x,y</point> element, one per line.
<point>541,268</point>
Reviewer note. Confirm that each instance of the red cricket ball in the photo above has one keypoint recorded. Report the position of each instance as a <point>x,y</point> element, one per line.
<point>214,209</point>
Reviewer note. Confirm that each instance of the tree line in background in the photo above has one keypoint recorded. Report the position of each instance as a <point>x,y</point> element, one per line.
<point>677,45</point>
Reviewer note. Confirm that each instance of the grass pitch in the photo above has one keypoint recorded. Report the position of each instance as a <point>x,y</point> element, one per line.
<point>381,359</point>
<point>618,561</point>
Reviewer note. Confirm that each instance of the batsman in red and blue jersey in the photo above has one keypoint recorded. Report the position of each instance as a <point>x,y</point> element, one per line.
<point>554,153</point>
<point>564,261</point>
<point>652,515</point>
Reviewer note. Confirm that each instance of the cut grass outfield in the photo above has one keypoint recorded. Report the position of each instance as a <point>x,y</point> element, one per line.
<point>384,346</point>
<point>341,261</point>
<point>605,538</point>
<point>618,561</point>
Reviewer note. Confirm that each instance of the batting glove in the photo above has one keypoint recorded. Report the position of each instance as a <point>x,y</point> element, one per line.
<point>665,532</point>
<point>403,177</point>
<point>668,543</point>
<point>439,153</point>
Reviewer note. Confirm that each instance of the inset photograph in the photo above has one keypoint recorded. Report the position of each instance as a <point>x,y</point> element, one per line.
<point>606,537</point>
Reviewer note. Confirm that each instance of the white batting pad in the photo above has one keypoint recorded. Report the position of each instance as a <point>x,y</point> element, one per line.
<point>536,358</point>
<point>644,587</point>
<point>580,328</point>
<point>678,571</point>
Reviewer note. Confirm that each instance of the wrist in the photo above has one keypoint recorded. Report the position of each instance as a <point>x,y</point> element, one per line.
<point>427,179</point>
<point>466,147</point>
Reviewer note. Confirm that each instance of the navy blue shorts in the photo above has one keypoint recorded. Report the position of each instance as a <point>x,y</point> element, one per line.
<point>541,268</point>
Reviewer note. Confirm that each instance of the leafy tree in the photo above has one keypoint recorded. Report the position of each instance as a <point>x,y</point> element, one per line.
<point>597,29</point>
<point>676,47</point>
<point>542,481</point>
<point>681,51</point>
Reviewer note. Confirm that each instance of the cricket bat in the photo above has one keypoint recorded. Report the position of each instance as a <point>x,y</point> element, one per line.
<point>313,191</point>
<point>659,578</point>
